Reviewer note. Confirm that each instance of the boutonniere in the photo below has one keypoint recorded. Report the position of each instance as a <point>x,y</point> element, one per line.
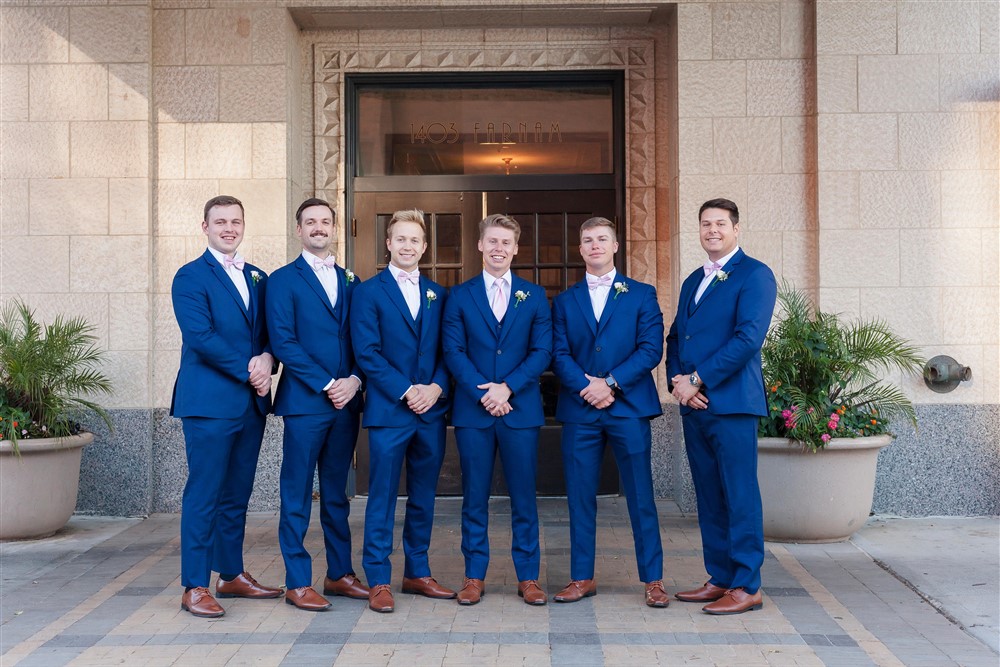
<point>720,277</point>
<point>620,288</point>
<point>255,277</point>
<point>350,275</point>
<point>431,296</point>
<point>520,296</point>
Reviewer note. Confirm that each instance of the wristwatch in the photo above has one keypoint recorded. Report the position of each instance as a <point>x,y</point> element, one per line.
<point>694,380</point>
<point>612,382</point>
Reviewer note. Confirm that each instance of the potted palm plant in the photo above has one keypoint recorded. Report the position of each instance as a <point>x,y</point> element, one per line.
<point>830,411</point>
<point>46,372</point>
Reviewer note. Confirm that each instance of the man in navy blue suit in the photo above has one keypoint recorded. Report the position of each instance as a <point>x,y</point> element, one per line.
<point>396,329</point>
<point>222,395</point>
<point>497,336</point>
<point>319,397</point>
<point>608,337</point>
<point>713,362</point>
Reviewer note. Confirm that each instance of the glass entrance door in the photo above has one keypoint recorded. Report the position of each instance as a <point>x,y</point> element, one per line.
<point>548,254</point>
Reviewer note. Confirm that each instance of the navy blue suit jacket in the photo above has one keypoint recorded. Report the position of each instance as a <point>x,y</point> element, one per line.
<point>394,351</point>
<point>721,336</point>
<point>310,337</point>
<point>219,337</point>
<point>478,350</point>
<point>627,343</point>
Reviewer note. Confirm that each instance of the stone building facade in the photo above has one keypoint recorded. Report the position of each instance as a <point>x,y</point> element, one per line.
<point>859,137</point>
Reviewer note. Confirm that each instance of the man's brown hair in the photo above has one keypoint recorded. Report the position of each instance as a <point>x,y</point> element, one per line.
<point>598,221</point>
<point>222,200</point>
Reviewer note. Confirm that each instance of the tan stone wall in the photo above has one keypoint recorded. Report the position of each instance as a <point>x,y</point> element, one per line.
<point>75,174</point>
<point>908,184</point>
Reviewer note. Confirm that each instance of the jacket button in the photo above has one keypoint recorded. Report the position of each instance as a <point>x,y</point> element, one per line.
<point>687,337</point>
<point>598,348</point>
<point>499,351</point>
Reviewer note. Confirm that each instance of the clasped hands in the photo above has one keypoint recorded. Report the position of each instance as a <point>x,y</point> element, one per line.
<point>688,394</point>
<point>260,373</point>
<point>343,390</point>
<point>421,397</point>
<point>597,393</point>
<point>496,400</point>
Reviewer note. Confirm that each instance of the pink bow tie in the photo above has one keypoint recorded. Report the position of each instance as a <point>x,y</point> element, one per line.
<point>603,281</point>
<point>711,267</point>
<point>329,263</point>
<point>413,278</point>
<point>229,261</point>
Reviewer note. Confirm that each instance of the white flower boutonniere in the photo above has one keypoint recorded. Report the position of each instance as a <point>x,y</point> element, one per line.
<point>720,277</point>
<point>520,296</point>
<point>620,288</point>
<point>350,275</point>
<point>255,277</point>
<point>431,296</point>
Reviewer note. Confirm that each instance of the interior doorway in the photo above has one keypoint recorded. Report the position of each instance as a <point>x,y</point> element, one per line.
<point>548,255</point>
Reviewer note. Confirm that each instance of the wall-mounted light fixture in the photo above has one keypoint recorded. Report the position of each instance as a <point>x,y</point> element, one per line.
<point>942,374</point>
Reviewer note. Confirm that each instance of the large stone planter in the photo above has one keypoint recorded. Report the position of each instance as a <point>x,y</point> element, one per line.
<point>822,496</point>
<point>38,490</point>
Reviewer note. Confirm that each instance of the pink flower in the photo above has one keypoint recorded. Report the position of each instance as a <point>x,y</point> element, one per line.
<point>834,417</point>
<point>832,425</point>
<point>785,414</point>
<point>825,438</point>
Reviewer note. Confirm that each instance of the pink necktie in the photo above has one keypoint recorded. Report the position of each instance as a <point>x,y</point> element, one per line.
<point>603,281</point>
<point>413,278</point>
<point>711,267</point>
<point>229,261</point>
<point>499,304</point>
<point>329,263</point>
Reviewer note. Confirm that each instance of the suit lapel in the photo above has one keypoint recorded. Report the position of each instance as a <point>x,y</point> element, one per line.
<point>582,295</point>
<point>730,266</point>
<point>516,285</point>
<point>395,295</point>
<point>341,306</point>
<point>612,302</point>
<point>312,280</point>
<point>227,282</point>
<point>478,288</point>
<point>423,314</point>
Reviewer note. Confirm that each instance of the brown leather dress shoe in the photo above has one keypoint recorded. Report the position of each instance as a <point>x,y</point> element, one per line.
<point>380,599</point>
<point>735,601</point>
<point>656,595</point>
<point>307,599</point>
<point>428,587</point>
<point>472,591</point>
<point>707,593</point>
<point>245,586</point>
<point>577,590</point>
<point>199,602</point>
<point>531,592</point>
<point>348,585</point>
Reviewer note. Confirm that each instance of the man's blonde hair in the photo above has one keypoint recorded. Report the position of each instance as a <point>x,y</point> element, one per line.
<point>598,221</point>
<point>412,215</point>
<point>502,221</point>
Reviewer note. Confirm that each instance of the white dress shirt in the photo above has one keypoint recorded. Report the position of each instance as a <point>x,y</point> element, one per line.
<point>707,280</point>
<point>236,275</point>
<point>411,292</point>
<point>599,295</point>
<point>327,276</point>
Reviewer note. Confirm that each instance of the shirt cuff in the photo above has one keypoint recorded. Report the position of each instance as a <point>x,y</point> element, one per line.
<point>406,392</point>
<point>329,384</point>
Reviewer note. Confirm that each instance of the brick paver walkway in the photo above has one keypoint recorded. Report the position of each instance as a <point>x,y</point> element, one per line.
<point>109,594</point>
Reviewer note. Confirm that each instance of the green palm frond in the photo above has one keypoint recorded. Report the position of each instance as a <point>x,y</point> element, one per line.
<point>828,368</point>
<point>49,372</point>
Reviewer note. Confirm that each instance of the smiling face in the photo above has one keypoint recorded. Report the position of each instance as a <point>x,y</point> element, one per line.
<point>224,228</point>
<point>315,229</point>
<point>406,245</point>
<point>598,245</point>
<point>718,234</point>
<point>499,247</point>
